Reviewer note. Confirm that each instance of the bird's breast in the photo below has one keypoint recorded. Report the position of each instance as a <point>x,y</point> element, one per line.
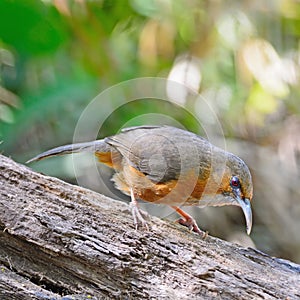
<point>186,190</point>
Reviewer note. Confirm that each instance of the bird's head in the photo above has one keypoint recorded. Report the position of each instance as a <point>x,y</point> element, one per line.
<point>237,185</point>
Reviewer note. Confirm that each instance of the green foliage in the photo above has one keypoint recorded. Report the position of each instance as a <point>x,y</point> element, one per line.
<point>31,27</point>
<point>60,47</point>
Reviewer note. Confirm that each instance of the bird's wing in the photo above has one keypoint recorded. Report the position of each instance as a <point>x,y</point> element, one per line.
<point>161,153</point>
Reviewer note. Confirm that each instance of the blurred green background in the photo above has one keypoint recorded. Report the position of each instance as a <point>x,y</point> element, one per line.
<point>241,56</point>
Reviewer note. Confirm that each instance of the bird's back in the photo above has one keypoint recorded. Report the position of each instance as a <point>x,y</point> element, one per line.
<point>163,153</point>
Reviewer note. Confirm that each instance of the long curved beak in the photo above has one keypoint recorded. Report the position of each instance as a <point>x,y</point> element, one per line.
<point>246,207</point>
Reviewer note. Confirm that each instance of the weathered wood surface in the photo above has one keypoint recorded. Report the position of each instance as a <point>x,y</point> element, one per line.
<point>59,241</point>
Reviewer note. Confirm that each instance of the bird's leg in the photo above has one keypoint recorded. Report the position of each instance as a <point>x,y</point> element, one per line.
<point>189,221</point>
<point>137,214</point>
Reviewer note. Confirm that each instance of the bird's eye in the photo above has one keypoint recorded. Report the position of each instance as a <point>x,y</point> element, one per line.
<point>235,182</point>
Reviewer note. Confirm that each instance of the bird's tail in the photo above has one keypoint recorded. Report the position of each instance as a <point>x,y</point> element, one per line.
<point>93,147</point>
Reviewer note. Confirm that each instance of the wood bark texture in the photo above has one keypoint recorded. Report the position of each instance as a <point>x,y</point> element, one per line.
<point>59,241</point>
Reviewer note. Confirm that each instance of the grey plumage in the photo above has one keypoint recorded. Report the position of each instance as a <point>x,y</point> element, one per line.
<point>92,147</point>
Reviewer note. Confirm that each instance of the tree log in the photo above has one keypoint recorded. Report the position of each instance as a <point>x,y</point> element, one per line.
<point>60,241</point>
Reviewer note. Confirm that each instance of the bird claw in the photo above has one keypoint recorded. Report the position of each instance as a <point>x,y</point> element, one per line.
<point>138,216</point>
<point>191,224</point>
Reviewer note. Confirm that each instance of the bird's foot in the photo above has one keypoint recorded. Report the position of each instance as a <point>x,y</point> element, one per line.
<point>191,224</point>
<point>138,214</point>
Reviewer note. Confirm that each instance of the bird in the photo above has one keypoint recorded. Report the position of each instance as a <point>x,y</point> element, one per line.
<point>171,166</point>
